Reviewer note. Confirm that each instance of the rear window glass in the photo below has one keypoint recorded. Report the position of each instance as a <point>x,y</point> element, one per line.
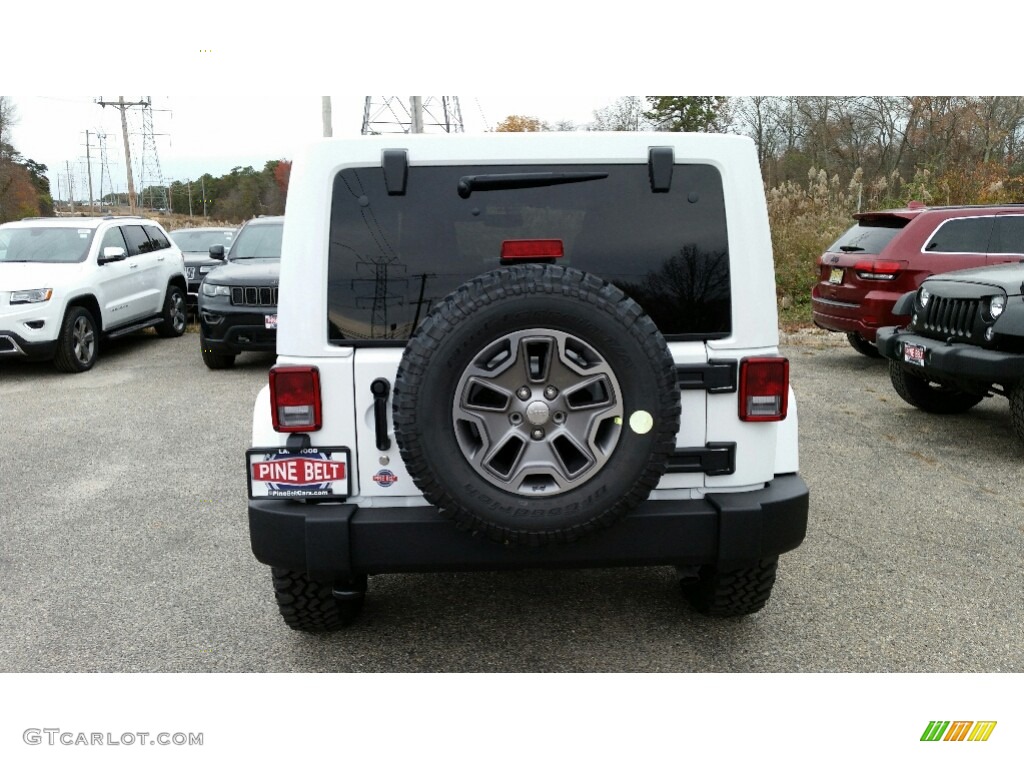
<point>868,236</point>
<point>157,238</point>
<point>392,258</point>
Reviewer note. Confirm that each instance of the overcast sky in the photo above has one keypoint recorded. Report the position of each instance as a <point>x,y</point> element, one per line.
<point>243,84</point>
<point>208,133</point>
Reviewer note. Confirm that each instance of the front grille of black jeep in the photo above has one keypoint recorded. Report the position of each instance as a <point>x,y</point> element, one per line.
<point>254,296</point>
<point>950,317</point>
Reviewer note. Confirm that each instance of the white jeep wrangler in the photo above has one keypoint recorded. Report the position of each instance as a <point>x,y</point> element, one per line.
<point>67,282</point>
<point>525,350</point>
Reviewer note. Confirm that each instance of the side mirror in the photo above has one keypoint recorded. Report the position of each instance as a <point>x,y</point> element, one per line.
<point>217,252</point>
<point>112,253</point>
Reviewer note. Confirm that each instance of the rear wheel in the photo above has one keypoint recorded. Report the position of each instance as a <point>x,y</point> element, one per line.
<point>930,396</point>
<point>862,345</point>
<point>731,592</point>
<point>175,316</point>
<point>311,606</point>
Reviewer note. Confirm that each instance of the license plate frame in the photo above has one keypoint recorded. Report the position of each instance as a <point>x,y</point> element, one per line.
<point>289,478</point>
<point>836,276</point>
<point>270,322</point>
<point>915,354</point>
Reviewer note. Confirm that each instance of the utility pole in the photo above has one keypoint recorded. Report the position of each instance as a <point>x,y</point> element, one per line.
<point>88,166</point>
<point>328,128</point>
<point>416,108</point>
<point>71,186</point>
<point>123,106</point>
<point>190,198</point>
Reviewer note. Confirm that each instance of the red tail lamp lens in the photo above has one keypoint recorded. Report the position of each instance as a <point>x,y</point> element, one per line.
<point>764,388</point>
<point>295,398</point>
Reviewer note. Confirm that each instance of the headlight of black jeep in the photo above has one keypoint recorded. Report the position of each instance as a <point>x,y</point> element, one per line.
<point>212,289</point>
<point>924,296</point>
<point>996,305</point>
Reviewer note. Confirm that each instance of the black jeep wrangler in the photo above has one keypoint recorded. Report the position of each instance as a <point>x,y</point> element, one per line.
<point>965,342</point>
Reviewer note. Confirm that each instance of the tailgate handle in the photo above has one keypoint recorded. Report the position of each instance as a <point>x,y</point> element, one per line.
<point>381,388</point>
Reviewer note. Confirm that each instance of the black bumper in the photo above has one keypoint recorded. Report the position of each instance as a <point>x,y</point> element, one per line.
<point>234,332</point>
<point>953,361</point>
<point>331,542</point>
<point>12,345</point>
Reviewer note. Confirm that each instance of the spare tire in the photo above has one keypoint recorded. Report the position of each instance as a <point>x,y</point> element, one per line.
<point>536,404</point>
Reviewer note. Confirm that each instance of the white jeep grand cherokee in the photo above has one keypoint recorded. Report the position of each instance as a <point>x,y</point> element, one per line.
<point>525,350</point>
<point>67,282</point>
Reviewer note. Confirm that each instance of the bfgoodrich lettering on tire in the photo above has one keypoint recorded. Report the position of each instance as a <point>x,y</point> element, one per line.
<point>536,404</point>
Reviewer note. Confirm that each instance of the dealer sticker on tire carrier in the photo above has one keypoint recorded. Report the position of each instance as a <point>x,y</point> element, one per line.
<point>321,473</point>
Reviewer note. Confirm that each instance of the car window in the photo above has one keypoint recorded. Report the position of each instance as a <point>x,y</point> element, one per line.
<point>869,236</point>
<point>258,241</point>
<point>157,237</point>
<point>200,240</point>
<point>969,235</point>
<point>1008,236</point>
<point>54,245</point>
<point>137,239</point>
<point>392,256</point>
<point>113,239</point>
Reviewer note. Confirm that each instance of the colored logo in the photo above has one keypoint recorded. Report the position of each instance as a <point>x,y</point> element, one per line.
<point>958,730</point>
<point>385,478</point>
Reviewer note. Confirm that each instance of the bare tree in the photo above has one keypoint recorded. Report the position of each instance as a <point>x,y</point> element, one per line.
<point>625,114</point>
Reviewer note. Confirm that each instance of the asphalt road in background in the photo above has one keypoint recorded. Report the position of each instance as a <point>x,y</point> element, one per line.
<point>124,544</point>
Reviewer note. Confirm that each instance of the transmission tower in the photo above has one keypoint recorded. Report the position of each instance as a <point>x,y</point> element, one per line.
<point>414,114</point>
<point>149,164</point>
<point>104,167</point>
<point>394,114</point>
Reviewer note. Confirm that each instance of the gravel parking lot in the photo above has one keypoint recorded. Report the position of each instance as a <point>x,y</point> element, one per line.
<point>125,544</point>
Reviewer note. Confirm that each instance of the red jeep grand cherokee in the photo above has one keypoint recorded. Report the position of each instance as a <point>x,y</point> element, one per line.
<point>888,253</point>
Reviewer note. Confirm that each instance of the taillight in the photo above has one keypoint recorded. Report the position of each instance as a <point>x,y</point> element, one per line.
<point>295,398</point>
<point>764,388</point>
<point>532,249</point>
<point>871,269</point>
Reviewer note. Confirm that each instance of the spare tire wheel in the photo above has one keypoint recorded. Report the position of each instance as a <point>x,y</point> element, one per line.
<point>536,404</point>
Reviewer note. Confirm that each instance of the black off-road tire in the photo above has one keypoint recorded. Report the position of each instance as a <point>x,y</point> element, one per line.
<point>726,593</point>
<point>78,344</point>
<point>930,396</point>
<point>309,606</point>
<point>549,299</point>
<point>1017,409</point>
<point>862,345</point>
<point>175,314</point>
<point>215,361</point>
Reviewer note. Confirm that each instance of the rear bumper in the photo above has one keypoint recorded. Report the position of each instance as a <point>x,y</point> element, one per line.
<point>962,362</point>
<point>335,541</point>
<point>863,318</point>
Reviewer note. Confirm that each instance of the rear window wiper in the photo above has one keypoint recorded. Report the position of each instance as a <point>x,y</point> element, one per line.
<point>487,182</point>
<point>850,248</point>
